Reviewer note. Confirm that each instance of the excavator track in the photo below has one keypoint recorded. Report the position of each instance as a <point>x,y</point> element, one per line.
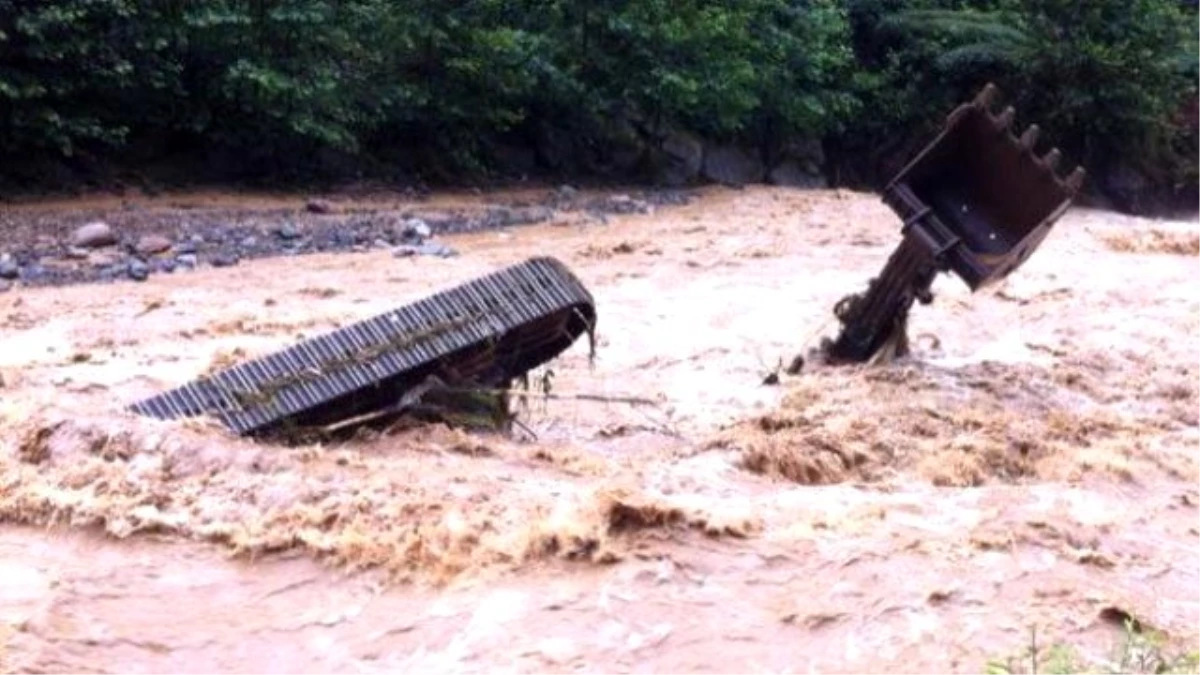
<point>484,332</point>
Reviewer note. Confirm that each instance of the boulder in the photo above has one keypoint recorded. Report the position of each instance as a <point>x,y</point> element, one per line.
<point>430,248</point>
<point>94,235</point>
<point>731,165</point>
<point>683,158</point>
<point>798,163</point>
<point>808,152</point>
<point>507,217</point>
<point>151,244</point>
<point>622,153</point>
<point>288,231</point>
<point>1128,188</point>
<point>224,259</point>
<point>105,258</point>
<point>138,270</point>
<point>318,206</point>
<point>413,229</point>
<point>619,204</point>
<point>9,269</point>
<point>791,173</point>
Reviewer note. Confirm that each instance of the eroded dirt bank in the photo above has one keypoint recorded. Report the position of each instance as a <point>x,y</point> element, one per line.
<point>1033,463</point>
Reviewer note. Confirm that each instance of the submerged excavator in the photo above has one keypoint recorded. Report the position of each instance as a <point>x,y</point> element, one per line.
<point>976,201</point>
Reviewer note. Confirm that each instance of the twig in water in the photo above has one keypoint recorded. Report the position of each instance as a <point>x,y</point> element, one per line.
<point>414,396</point>
<point>631,400</point>
<point>410,398</point>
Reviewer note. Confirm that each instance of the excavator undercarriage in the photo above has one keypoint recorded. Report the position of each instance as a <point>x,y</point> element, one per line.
<point>976,201</point>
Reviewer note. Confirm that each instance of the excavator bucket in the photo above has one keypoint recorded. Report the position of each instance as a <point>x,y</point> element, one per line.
<point>979,196</point>
<point>977,201</point>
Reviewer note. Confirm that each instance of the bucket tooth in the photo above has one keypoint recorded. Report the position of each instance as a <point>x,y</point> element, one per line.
<point>1051,159</point>
<point>1075,180</point>
<point>1005,119</point>
<point>986,98</point>
<point>1030,138</point>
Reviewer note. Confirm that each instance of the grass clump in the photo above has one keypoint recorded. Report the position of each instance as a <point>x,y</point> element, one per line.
<point>1139,651</point>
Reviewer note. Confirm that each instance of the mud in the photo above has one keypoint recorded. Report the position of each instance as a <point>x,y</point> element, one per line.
<point>1032,463</point>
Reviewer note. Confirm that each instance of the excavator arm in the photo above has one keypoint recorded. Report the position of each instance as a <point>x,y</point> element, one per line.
<point>976,201</point>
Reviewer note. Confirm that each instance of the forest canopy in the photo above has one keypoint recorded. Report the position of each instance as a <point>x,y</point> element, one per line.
<point>449,90</point>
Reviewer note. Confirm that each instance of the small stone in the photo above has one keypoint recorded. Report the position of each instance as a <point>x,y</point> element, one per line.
<point>620,204</point>
<point>415,228</point>
<point>196,239</point>
<point>138,270</point>
<point>432,248</point>
<point>9,269</point>
<point>437,249</point>
<point>288,231</point>
<point>505,217</point>
<point>151,244</point>
<point>440,221</point>
<point>319,206</point>
<point>249,242</point>
<point>187,246</point>
<point>76,253</point>
<point>94,235</point>
<point>224,260</point>
<point>187,259</point>
<point>104,258</point>
<point>165,265</point>
<point>380,243</point>
<point>33,271</point>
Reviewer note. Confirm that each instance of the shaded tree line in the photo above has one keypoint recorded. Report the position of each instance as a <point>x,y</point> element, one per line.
<point>451,90</point>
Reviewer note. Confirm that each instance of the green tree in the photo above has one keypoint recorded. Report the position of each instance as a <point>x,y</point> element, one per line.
<point>64,68</point>
<point>1105,77</point>
<point>284,88</point>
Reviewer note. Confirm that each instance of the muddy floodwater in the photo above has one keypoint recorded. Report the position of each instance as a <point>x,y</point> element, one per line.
<point>1032,465</point>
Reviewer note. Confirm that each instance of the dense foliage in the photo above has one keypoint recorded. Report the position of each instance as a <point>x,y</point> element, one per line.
<point>288,89</point>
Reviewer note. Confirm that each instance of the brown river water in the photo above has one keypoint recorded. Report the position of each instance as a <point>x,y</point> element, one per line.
<point>1032,464</point>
